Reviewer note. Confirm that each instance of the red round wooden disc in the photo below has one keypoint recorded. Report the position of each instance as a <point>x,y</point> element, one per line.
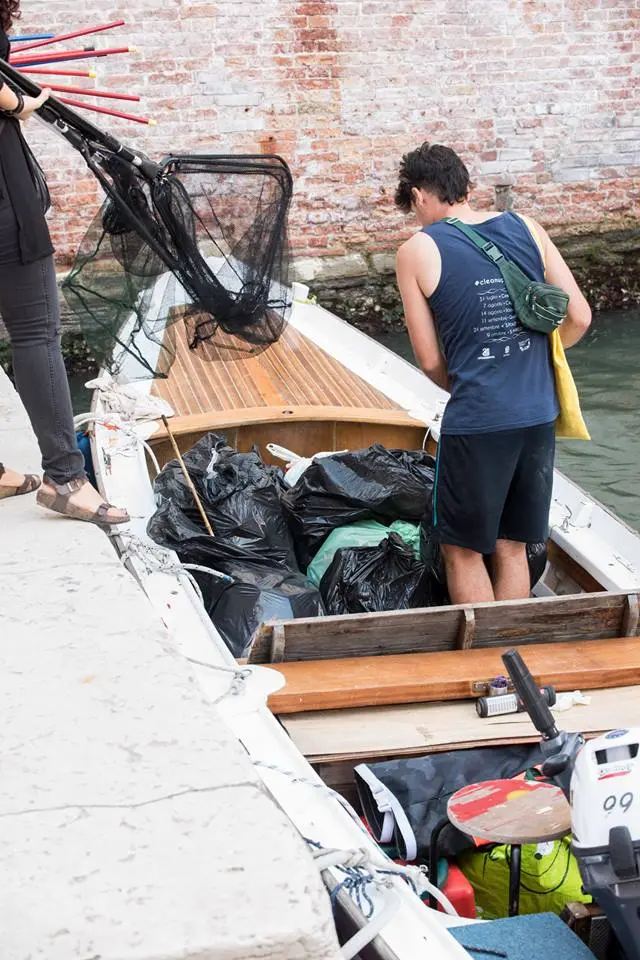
<point>510,811</point>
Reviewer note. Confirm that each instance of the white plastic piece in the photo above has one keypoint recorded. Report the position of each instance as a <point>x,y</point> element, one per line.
<point>566,701</point>
<point>300,291</point>
<point>296,465</point>
<point>282,453</point>
<point>215,456</point>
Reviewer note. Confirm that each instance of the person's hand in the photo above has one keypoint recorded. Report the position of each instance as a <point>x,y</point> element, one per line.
<point>33,103</point>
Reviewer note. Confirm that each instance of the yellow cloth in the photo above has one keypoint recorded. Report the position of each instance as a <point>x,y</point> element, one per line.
<point>570,423</point>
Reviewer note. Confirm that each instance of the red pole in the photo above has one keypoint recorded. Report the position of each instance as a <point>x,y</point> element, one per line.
<point>87,92</point>
<point>59,37</point>
<point>36,59</point>
<point>110,113</point>
<point>90,74</point>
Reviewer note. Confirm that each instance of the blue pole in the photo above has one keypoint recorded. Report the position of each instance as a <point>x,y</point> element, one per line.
<point>35,36</point>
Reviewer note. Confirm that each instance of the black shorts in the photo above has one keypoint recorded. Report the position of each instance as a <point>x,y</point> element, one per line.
<point>492,486</point>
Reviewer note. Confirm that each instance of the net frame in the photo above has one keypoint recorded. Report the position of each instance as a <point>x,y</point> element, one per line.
<point>155,255</point>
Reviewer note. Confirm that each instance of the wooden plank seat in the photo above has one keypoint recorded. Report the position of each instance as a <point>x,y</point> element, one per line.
<point>451,675</point>
<point>250,416</point>
<point>363,734</point>
<point>593,616</point>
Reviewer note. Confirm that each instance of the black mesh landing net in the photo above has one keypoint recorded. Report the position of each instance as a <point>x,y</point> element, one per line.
<point>198,239</point>
<point>204,242</point>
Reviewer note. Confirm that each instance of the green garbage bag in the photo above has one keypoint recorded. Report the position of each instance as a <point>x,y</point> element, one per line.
<point>365,533</point>
<point>550,878</point>
<point>410,533</point>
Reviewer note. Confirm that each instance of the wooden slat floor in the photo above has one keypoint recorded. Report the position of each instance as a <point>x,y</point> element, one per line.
<point>293,371</point>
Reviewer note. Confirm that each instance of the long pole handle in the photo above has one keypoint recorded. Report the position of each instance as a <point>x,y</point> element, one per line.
<point>187,477</point>
<point>31,36</point>
<point>80,105</point>
<point>81,53</point>
<point>90,92</point>
<point>61,116</point>
<point>90,74</point>
<point>60,37</point>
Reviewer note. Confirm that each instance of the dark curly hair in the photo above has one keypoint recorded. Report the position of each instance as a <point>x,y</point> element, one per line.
<point>9,11</point>
<point>434,168</point>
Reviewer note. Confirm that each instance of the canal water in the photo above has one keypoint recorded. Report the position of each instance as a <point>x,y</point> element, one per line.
<point>606,368</point>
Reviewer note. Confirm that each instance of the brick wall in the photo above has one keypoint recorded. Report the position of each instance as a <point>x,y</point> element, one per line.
<point>541,98</point>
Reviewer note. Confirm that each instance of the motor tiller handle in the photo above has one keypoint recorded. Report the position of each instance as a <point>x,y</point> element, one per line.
<point>527,689</point>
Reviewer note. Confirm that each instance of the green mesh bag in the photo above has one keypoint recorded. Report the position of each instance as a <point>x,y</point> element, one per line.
<point>550,878</point>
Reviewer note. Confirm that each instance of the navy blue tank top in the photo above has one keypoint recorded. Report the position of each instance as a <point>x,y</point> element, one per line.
<point>501,373</point>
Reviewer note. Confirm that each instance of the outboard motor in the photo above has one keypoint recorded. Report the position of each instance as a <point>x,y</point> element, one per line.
<point>605,823</point>
<point>601,780</point>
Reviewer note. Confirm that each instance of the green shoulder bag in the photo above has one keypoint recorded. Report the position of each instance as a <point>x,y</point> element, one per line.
<point>538,306</point>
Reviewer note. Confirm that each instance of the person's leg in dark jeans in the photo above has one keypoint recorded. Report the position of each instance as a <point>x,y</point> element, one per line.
<point>31,313</point>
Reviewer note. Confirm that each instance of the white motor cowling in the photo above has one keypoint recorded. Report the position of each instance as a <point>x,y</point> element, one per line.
<point>605,788</point>
<point>605,823</point>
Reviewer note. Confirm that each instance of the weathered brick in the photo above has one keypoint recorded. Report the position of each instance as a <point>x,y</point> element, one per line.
<point>539,94</point>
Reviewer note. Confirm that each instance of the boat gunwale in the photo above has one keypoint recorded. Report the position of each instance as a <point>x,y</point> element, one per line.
<point>254,416</point>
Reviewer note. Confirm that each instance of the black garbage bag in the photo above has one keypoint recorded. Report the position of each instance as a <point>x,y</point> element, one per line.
<point>423,785</point>
<point>369,579</point>
<point>240,495</point>
<point>259,590</point>
<point>431,556</point>
<point>537,554</point>
<point>258,593</point>
<point>370,484</point>
<point>170,526</point>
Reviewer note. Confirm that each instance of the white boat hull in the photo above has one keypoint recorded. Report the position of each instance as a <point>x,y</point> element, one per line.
<point>587,531</point>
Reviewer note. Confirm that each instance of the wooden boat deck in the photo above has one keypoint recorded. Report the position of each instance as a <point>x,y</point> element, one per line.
<point>292,372</point>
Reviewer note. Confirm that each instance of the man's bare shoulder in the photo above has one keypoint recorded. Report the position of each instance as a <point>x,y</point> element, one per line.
<point>418,247</point>
<point>537,226</point>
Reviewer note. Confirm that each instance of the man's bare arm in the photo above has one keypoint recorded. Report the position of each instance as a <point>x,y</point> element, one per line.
<point>578,318</point>
<point>418,316</point>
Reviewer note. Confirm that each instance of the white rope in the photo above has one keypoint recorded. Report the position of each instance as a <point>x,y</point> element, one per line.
<point>116,424</point>
<point>151,555</point>
<point>157,558</point>
<point>209,570</point>
<point>194,583</point>
<point>240,672</point>
<point>238,678</point>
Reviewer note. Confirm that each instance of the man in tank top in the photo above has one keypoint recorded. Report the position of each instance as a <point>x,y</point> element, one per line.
<point>494,469</point>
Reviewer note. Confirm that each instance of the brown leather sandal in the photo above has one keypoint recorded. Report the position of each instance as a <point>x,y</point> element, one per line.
<point>60,502</point>
<point>29,484</point>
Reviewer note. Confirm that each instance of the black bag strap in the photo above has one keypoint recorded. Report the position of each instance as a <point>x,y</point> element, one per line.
<point>490,250</point>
